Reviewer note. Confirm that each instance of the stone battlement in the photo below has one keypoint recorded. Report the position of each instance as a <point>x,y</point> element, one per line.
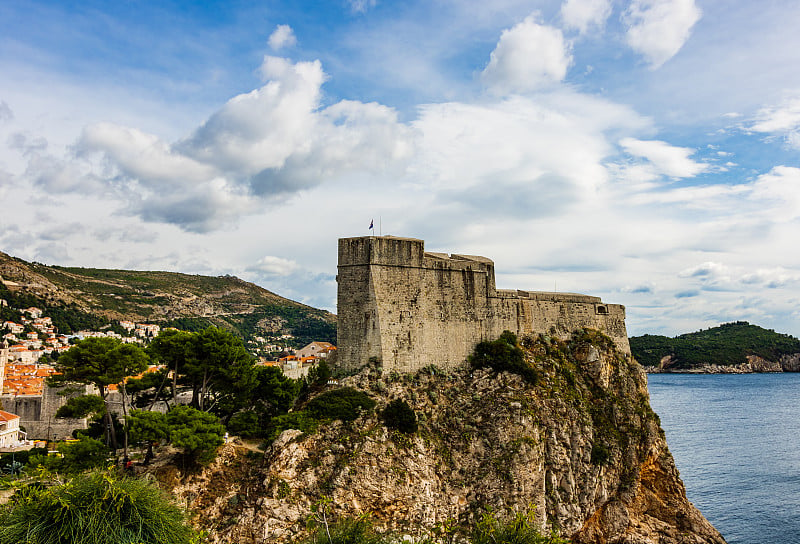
<point>408,309</point>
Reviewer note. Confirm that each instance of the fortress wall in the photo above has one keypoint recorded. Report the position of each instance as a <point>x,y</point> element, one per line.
<point>408,309</point>
<point>27,407</point>
<point>399,306</point>
<point>560,317</point>
<point>37,412</point>
<point>456,309</point>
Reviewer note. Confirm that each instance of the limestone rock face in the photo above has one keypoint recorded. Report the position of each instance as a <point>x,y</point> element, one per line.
<point>790,363</point>
<point>581,446</point>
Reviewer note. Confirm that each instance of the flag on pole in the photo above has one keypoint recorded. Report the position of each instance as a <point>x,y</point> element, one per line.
<point>371,226</point>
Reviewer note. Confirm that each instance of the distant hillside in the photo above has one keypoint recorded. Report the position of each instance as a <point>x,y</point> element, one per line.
<point>727,345</point>
<point>78,298</point>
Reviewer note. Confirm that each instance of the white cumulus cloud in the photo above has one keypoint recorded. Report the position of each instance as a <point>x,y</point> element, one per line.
<point>658,29</point>
<point>282,36</point>
<point>783,119</point>
<point>270,265</point>
<point>528,57</point>
<point>779,192</point>
<point>665,159</point>
<point>258,149</point>
<point>581,14</point>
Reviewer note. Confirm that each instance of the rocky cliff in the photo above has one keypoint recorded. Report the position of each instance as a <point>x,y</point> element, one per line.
<point>581,446</point>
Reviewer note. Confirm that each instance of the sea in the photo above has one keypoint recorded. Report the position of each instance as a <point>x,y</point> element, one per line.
<point>736,442</point>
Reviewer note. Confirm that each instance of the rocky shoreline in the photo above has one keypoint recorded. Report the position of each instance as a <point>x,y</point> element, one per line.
<point>754,365</point>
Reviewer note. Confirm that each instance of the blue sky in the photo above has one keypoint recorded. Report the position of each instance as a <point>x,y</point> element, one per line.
<point>645,151</point>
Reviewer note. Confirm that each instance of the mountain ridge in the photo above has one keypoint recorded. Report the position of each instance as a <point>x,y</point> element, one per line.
<point>167,298</point>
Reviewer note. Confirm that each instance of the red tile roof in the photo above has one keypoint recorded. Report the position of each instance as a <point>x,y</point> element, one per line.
<point>7,416</point>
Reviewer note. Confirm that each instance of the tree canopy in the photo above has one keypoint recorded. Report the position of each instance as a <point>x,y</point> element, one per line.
<point>101,361</point>
<point>727,344</point>
<point>198,433</point>
<point>213,363</point>
<point>82,406</point>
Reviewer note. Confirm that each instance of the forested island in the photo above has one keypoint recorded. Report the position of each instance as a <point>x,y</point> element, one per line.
<point>736,347</point>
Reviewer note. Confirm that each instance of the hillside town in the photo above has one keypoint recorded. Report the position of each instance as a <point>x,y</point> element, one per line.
<point>31,345</point>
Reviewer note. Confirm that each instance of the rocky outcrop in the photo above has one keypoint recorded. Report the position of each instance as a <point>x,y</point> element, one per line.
<point>790,363</point>
<point>582,447</point>
<point>754,364</point>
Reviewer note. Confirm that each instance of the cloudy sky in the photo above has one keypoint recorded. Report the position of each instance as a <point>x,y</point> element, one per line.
<point>646,151</point>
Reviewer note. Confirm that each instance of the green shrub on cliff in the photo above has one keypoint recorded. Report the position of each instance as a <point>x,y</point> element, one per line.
<point>345,404</point>
<point>299,420</point>
<point>503,355</point>
<point>400,416</point>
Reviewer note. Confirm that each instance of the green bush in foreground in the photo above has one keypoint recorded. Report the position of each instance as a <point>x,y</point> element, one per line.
<point>94,508</point>
<point>519,529</point>
<point>347,531</point>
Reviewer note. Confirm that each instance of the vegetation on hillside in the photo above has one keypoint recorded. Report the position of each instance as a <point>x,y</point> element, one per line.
<point>400,416</point>
<point>345,404</point>
<point>503,354</point>
<point>92,299</point>
<point>225,389</point>
<point>67,318</point>
<point>727,344</point>
<point>101,362</point>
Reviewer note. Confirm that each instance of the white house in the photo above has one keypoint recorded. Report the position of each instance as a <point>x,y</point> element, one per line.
<point>33,312</point>
<point>316,349</point>
<point>14,328</point>
<point>9,429</point>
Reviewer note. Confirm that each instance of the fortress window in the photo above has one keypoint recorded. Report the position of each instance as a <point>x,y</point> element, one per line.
<point>600,309</point>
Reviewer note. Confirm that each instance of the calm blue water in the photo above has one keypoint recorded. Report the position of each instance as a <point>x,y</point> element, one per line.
<point>736,442</point>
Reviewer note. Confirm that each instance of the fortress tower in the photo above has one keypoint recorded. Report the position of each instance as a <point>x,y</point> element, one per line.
<point>407,309</point>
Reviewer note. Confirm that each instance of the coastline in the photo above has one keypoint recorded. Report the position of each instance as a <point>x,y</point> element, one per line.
<point>754,365</point>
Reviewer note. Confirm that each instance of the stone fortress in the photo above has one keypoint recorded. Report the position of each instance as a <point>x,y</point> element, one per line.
<point>405,309</point>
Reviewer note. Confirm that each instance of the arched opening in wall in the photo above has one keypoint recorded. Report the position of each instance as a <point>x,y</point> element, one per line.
<point>600,309</point>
